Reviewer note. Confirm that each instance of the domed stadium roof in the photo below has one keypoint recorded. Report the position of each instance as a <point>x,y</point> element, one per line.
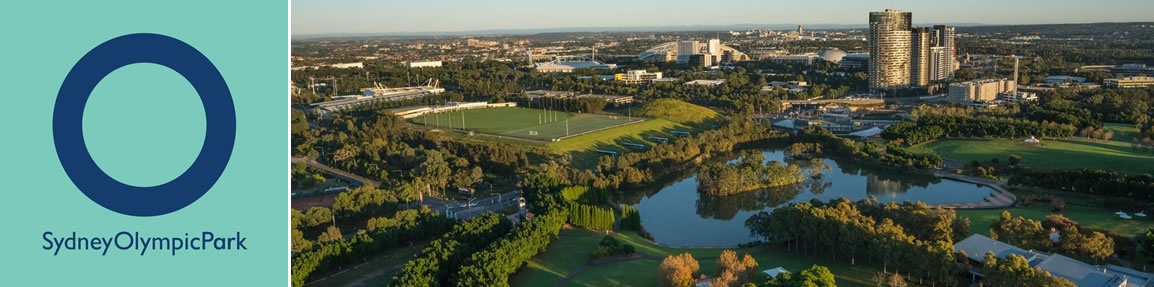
<point>671,47</point>
<point>832,55</point>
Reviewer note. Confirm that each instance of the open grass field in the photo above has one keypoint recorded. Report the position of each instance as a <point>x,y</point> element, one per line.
<point>523,122</point>
<point>570,252</point>
<point>676,111</point>
<point>1053,154</point>
<point>1102,219</point>
<point>584,148</point>
<point>377,272</point>
<point>1122,132</point>
<point>562,256</point>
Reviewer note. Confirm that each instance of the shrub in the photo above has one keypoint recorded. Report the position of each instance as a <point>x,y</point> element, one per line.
<point>610,246</point>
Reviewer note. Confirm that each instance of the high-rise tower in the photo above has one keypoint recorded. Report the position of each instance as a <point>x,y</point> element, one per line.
<point>943,54</point>
<point>889,49</point>
<point>920,56</point>
<point>686,49</point>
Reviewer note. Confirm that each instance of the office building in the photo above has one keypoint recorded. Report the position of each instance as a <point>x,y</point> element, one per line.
<point>854,61</point>
<point>713,46</point>
<point>1129,82</point>
<point>797,60</point>
<point>981,90</point>
<point>704,60</point>
<point>685,49</point>
<point>636,76</point>
<point>889,49</point>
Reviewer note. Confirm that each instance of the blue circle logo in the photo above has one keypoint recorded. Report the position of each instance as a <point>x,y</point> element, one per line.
<point>220,125</point>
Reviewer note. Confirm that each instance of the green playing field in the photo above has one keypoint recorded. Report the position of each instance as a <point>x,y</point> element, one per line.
<point>522,122</point>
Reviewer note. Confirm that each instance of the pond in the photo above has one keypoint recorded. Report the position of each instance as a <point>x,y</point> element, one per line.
<point>678,215</point>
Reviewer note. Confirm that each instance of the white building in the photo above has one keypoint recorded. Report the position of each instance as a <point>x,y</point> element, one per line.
<point>348,65</point>
<point>682,51</point>
<point>423,64</point>
<point>709,83</point>
<point>637,76</point>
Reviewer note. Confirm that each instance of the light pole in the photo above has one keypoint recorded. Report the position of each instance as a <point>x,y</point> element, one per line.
<point>470,205</point>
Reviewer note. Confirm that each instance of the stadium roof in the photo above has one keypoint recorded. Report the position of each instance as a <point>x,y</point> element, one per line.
<point>671,47</point>
<point>833,55</point>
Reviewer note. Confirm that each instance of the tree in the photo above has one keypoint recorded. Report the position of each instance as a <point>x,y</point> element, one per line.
<point>815,276</point>
<point>896,280</point>
<point>1146,244</point>
<point>435,170</point>
<point>743,269</point>
<point>1015,159</point>
<point>726,279</point>
<point>677,271</point>
<point>317,216</point>
<point>299,242</point>
<point>1014,270</point>
<point>331,234</point>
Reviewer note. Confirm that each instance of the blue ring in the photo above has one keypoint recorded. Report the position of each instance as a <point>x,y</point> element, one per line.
<point>220,125</point>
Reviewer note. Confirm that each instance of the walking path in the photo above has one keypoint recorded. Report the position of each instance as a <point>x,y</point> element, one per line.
<point>337,172</point>
<point>1000,198</point>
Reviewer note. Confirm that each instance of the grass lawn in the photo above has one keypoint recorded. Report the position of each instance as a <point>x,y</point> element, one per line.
<point>980,220</point>
<point>545,269</point>
<point>375,273</point>
<point>569,251</point>
<point>584,148</point>
<point>1053,154</point>
<point>520,122</point>
<point>1122,132</point>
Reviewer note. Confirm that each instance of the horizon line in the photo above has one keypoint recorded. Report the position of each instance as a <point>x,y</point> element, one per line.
<point>593,29</point>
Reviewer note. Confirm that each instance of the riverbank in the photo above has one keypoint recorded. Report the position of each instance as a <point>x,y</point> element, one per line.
<point>1000,198</point>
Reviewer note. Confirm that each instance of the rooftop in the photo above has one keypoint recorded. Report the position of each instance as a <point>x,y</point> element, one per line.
<point>1078,272</point>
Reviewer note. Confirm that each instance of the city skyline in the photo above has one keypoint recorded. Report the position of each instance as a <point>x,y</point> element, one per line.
<point>340,17</point>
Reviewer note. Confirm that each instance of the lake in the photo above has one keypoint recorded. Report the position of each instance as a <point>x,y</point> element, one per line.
<point>678,215</point>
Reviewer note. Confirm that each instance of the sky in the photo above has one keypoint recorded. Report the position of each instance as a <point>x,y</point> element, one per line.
<point>313,17</point>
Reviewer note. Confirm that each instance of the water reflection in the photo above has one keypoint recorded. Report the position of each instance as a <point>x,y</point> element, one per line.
<point>676,214</point>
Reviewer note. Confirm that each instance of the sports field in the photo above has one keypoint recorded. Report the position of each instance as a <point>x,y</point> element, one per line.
<point>1053,154</point>
<point>522,122</point>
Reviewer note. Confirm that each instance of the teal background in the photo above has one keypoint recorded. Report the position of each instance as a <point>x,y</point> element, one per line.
<point>144,125</point>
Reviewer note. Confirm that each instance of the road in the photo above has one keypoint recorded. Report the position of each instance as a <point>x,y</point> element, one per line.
<point>452,208</point>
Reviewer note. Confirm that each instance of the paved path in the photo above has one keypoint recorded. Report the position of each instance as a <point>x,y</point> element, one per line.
<point>337,172</point>
<point>1000,198</point>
